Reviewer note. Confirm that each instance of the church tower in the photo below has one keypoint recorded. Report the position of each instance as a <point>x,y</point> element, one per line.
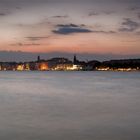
<point>38,58</point>
<point>74,59</point>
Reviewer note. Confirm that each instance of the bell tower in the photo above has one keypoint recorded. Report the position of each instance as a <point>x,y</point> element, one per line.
<point>38,58</point>
<point>74,59</point>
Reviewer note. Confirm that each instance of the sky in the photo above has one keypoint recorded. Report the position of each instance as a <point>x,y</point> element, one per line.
<point>92,29</point>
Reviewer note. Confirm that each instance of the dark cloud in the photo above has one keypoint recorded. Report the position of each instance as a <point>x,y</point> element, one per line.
<point>65,16</point>
<point>134,8</point>
<point>36,38</point>
<point>70,25</point>
<point>104,32</point>
<point>129,25</point>
<point>2,14</point>
<point>25,44</point>
<point>139,15</point>
<point>70,29</point>
<point>73,28</point>
<point>67,25</point>
<point>94,13</point>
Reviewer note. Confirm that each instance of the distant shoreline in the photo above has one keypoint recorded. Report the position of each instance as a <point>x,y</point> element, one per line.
<point>69,71</point>
<point>64,64</point>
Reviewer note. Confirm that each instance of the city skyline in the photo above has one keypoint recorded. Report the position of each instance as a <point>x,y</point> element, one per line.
<point>92,29</point>
<point>64,64</point>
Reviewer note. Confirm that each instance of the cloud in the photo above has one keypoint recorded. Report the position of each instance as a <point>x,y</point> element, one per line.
<point>67,25</point>
<point>104,32</point>
<point>25,44</point>
<point>4,13</point>
<point>70,29</point>
<point>65,16</point>
<point>36,38</point>
<point>93,13</point>
<point>134,8</point>
<point>129,25</point>
<point>67,29</point>
<point>138,15</point>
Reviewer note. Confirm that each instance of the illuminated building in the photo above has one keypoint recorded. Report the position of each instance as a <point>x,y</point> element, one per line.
<point>103,68</point>
<point>27,66</point>
<point>63,67</point>
<point>68,67</point>
<point>59,63</point>
<point>76,67</point>
<point>20,67</point>
<point>43,66</point>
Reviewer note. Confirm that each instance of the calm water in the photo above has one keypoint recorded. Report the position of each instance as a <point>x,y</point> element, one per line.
<point>69,106</point>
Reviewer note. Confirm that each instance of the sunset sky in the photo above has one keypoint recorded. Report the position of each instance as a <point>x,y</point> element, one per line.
<point>89,28</point>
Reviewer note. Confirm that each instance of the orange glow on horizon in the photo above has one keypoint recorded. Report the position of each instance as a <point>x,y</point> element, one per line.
<point>81,43</point>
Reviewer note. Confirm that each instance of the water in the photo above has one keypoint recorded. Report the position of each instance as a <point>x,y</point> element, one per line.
<point>69,106</point>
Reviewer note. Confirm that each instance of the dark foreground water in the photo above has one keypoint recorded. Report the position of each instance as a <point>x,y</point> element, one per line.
<point>69,106</point>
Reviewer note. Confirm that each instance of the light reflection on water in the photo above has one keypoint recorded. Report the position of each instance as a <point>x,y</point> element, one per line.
<point>69,105</point>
